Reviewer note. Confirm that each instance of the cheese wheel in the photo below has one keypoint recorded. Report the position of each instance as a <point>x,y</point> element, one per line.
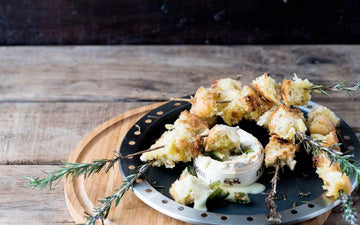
<point>241,170</point>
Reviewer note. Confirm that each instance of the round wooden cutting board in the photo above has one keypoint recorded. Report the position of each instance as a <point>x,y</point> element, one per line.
<point>82,194</point>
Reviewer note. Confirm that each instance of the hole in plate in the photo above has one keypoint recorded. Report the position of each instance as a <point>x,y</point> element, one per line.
<point>177,104</point>
<point>249,218</point>
<point>137,132</point>
<point>310,205</point>
<point>159,113</point>
<point>181,208</point>
<point>139,180</point>
<point>164,201</point>
<point>294,211</point>
<point>223,218</point>
<point>148,121</point>
<point>309,106</point>
<point>131,167</point>
<point>203,215</point>
<point>132,142</point>
<point>346,137</point>
<point>148,190</point>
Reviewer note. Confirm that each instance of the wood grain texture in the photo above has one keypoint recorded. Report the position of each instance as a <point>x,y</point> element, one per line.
<point>155,73</point>
<point>46,133</point>
<point>22,205</point>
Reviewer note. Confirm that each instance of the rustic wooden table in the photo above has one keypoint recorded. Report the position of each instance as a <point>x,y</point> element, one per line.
<point>53,96</point>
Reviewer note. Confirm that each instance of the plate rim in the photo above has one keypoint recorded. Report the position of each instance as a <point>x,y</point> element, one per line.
<point>165,205</point>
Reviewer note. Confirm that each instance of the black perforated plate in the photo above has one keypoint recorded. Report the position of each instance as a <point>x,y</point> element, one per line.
<point>303,179</point>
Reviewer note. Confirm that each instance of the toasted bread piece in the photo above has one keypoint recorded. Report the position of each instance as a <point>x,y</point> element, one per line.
<point>280,151</point>
<point>286,121</point>
<point>323,111</point>
<point>230,90</point>
<point>181,143</point>
<point>334,180</point>
<point>321,125</point>
<point>189,123</point>
<point>190,189</point>
<point>268,88</point>
<point>243,101</point>
<point>204,104</point>
<point>264,119</point>
<point>255,105</point>
<point>327,140</point>
<point>296,92</point>
<point>223,139</point>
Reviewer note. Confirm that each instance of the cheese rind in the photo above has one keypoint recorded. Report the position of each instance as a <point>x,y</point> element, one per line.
<point>241,169</point>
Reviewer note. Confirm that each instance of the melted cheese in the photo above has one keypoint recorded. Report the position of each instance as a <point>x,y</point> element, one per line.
<point>190,189</point>
<point>254,188</point>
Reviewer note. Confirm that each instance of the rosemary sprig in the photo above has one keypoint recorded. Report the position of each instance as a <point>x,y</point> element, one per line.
<point>350,169</point>
<point>77,169</point>
<point>315,147</point>
<point>349,211</point>
<point>347,87</point>
<point>73,170</point>
<point>270,204</point>
<point>102,210</point>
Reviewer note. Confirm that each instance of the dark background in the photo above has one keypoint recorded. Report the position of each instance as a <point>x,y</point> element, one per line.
<point>58,22</point>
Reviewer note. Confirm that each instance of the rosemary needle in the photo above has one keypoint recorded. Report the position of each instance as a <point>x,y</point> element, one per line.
<point>343,86</point>
<point>102,210</point>
<point>77,169</point>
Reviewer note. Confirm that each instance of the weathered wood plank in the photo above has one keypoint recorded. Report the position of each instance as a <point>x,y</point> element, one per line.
<point>21,205</point>
<point>46,133</point>
<point>153,73</point>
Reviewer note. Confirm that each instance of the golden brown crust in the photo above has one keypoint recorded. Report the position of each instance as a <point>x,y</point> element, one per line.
<point>296,92</point>
<point>286,121</point>
<point>192,123</point>
<point>321,125</point>
<point>180,144</point>
<point>319,111</point>
<point>204,104</point>
<point>230,90</point>
<point>285,90</point>
<point>255,105</point>
<point>334,180</point>
<point>280,151</point>
<point>267,88</point>
<point>223,139</point>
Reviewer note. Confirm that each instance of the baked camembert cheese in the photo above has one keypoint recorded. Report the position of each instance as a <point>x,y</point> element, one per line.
<point>242,157</point>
